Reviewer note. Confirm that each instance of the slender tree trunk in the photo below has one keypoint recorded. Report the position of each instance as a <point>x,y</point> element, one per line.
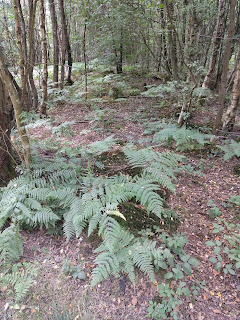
<point>65,42</point>
<point>216,44</point>
<point>226,58</point>
<point>43,109</point>
<point>12,57</point>
<point>31,42</point>
<point>6,160</point>
<point>22,51</point>
<point>85,61</point>
<point>55,41</point>
<point>19,40</point>
<point>230,115</point>
<point>172,44</point>
<point>10,86</point>
<point>120,55</point>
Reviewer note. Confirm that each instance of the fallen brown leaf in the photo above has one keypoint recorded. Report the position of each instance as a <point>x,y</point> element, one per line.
<point>216,311</point>
<point>134,301</point>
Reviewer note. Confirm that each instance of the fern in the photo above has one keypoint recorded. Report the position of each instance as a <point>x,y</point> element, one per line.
<point>21,279</point>
<point>186,139</point>
<point>11,245</point>
<point>58,190</point>
<point>230,149</point>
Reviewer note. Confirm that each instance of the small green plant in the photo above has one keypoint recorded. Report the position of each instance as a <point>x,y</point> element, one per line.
<point>20,277</point>
<point>135,92</point>
<point>74,271</point>
<point>226,250</point>
<point>235,201</point>
<point>170,295</point>
<point>168,307</point>
<point>213,211</point>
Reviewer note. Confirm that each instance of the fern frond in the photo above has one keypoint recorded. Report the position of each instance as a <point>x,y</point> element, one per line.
<point>230,149</point>
<point>107,264</point>
<point>142,258</point>
<point>45,217</point>
<point>11,245</point>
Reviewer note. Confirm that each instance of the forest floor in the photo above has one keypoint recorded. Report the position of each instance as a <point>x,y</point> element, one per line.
<point>58,296</point>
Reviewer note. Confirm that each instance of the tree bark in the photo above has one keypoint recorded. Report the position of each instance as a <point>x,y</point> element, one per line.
<point>32,51</point>
<point>43,108</point>
<point>66,48</point>
<point>226,58</point>
<point>230,115</point>
<point>172,44</point>
<point>7,171</point>
<point>55,41</point>
<point>216,44</point>
<point>12,90</point>
<point>85,61</point>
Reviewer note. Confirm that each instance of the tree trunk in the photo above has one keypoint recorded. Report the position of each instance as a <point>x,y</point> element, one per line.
<point>226,58</point>
<point>120,56</point>
<point>55,41</point>
<point>173,44</point>
<point>66,48</point>
<point>32,51</point>
<point>10,86</point>
<point>21,44</point>
<point>230,115</point>
<point>43,109</point>
<point>216,44</point>
<point>7,171</point>
<point>85,61</point>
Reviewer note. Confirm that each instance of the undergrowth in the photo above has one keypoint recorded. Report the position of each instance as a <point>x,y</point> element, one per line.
<point>69,192</point>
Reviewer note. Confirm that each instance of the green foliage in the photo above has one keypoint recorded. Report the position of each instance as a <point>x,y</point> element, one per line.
<point>170,295</point>
<point>235,200</point>
<point>21,279</point>
<point>135,92</point>
<point>56,191</point>
<point>75,271</point>
<point>186,139</point>
<point>230,150</point>
<point>213,211</point>
<point>64,129</point>
<point>227,248</point>
<point>11,245</point>
<point>159,91</point>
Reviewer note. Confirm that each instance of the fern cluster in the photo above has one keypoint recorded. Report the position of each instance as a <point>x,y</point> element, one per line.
<point>186,139</point>
<point>63,191</point>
